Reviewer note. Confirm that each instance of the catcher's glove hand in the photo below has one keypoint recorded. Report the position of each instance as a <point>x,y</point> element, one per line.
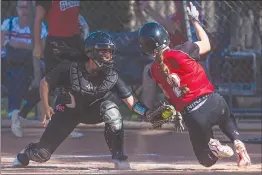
<point>164,114</point>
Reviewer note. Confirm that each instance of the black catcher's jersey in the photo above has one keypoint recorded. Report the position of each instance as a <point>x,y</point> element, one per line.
<point>86,88</point>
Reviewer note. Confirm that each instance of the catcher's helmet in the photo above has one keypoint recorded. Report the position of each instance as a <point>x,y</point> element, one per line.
<point>100,48</point>
<point>153,37</point>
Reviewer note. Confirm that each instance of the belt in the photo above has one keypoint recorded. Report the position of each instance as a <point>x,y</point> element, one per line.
<point>192,105</point>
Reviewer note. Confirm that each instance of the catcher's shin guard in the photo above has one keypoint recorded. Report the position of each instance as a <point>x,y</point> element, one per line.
<point>114,140</point>
<point>114,132</point>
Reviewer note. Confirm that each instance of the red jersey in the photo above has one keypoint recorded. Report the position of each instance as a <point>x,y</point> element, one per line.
<point>62,17</point>
<point>182,62</point>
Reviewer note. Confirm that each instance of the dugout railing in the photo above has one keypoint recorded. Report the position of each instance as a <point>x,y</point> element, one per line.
<point>242,79</point>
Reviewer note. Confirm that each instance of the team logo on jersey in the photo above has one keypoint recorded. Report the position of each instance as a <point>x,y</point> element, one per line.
<point>64,5</point>
<point>60,108</point>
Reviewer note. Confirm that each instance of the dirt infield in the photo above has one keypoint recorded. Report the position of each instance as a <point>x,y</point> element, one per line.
<point>150,152</point>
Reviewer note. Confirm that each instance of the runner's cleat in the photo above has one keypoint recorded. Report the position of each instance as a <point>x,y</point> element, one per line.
<point>219,150</point>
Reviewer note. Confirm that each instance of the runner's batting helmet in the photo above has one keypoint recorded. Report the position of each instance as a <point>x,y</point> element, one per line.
<point>153,37</point>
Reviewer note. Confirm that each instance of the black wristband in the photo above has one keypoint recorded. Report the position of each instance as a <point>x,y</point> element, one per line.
<point>139,109</point>
<point>194,20</point>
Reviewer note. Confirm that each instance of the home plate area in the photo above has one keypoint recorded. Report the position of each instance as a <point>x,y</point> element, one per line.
<point>149,152</point>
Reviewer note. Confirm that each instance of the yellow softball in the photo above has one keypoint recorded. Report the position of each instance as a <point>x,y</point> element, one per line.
<point>167,113</point>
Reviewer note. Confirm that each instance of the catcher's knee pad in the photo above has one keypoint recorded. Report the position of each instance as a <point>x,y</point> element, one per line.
<point>111,115</point>
<point>38,155</point>
<point>207,159</point>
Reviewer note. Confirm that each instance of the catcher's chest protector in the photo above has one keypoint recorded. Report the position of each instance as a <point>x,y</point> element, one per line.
<point>82,85</point>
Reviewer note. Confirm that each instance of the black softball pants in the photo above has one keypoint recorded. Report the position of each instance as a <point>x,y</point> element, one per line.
<point>66,119</point>
<point>199,122</point>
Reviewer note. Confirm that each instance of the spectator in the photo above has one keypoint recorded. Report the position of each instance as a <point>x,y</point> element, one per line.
<point>69,38</point>
<point>17,41</point>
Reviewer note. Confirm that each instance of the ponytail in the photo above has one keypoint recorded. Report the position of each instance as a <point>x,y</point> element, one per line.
<point>183,90</point>
<point>163,66</point>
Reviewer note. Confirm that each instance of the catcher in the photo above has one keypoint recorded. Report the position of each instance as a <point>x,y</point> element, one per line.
<point>83,86</point>
<point>187,87</point>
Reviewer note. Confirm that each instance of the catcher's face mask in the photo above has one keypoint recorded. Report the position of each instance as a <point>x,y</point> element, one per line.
<point>102,56</point>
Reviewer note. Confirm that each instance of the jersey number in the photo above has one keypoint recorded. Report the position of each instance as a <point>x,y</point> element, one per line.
<point>174,80</point>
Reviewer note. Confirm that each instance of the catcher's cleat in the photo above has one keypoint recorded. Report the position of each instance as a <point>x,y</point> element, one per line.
<point>121,162</point>
<point>17,164</point>
<point>21,160</point>
<point>243,159</point>
<point>219,150</point>
<point>121,165</point>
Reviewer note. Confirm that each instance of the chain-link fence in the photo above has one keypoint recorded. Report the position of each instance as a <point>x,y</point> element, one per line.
<point>234,28</point>
<point>235,61</point>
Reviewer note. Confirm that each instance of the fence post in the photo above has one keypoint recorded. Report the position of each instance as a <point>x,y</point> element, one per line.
<point>187,23</point>
<point>36,61</point>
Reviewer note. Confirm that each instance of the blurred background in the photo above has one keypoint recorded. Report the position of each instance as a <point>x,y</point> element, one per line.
<point>234,64</point>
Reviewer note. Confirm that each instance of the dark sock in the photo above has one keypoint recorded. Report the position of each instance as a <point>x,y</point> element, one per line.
<point>32,98</point>
<point>229,128</point>
<point>234,119</point>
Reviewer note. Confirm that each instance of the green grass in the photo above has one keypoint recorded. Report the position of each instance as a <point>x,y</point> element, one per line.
<point>4,110</point>
<point>4,114</point>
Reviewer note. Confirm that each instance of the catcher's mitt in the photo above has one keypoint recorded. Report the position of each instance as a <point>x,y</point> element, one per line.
<point>164,114</point>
